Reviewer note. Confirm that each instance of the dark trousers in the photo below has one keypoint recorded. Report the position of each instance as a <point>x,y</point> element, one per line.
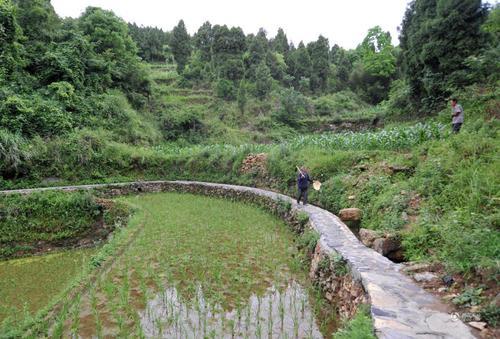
<point>456,127</point>
<point>302,195</point>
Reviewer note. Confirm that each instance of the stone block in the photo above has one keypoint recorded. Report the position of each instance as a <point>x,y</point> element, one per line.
<point>367,237</point>
<point>350,214</point>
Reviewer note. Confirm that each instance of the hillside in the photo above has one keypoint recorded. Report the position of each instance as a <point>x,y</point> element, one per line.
<point>87,100</point>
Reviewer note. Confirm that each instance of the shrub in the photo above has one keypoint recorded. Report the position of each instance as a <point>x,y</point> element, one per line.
<point>33,116</point>
<point>293,105</point>
<point>225,89</point>
<point>14,154</point>
<point>338,103</point>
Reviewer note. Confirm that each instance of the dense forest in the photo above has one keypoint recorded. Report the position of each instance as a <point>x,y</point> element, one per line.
<point>57,75</point>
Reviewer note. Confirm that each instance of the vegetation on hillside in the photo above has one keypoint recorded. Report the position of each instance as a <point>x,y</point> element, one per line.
<point>94,99</point>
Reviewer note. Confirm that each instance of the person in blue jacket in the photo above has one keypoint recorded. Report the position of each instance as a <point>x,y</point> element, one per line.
<point>303,180</point>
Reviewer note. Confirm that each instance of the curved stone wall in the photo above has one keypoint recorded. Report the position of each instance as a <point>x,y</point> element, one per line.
<point>399,307</point>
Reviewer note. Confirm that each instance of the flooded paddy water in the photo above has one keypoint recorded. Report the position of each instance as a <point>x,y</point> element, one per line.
<point>201,267</point>
<point>29,284</point>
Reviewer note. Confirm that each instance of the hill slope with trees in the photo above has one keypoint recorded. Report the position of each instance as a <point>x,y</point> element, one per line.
<point>96,99</point>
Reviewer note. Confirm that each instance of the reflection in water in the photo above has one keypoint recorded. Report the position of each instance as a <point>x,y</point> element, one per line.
<point>277,314</point>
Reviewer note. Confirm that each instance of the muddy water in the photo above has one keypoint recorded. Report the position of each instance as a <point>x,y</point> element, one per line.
<point>201,267</point>
<point>276,314</point>
<point>29,284</point>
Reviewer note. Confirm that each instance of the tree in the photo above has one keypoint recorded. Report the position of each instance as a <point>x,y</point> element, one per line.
<point>38,19</point>
<point>181,45</point>
<point>436,39</point>
<point>299,64</point>
<point>257,52</point>
<point>204,40</point>
<point>343,62</point>
<point>228,42</point>
<point>264,81</point>
<point>11,60</point>
<point>151,42</point>
<point>375,67</point>
<point>280,43</point>
<point>319,52</point>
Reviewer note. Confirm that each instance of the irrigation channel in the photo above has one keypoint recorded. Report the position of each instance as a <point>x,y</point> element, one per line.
<point>198,267</point>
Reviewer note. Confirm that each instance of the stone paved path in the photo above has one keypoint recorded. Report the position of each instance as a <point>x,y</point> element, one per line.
<point>399,308</point>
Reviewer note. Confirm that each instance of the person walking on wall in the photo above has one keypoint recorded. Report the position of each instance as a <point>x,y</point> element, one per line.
<point>303,181</point>
<point>457,116</point>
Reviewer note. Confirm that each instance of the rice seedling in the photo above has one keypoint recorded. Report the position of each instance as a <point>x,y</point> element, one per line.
<point>225,272</point>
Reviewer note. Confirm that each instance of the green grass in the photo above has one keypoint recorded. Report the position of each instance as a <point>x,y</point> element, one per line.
<point>360,327</point>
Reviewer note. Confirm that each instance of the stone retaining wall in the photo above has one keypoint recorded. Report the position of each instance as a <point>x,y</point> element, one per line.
<point>399,308</point>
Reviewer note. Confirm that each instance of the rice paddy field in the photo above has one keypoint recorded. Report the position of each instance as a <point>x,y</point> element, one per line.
<point>198,267</point>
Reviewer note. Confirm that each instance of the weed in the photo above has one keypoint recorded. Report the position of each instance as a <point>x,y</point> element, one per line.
<point>470,297</point>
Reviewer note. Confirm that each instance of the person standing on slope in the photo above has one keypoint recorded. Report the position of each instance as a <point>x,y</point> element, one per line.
<point>457,116</point>
<point>303,181</point>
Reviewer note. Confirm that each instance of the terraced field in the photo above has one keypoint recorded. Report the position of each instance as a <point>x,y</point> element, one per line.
<point>200,267</point>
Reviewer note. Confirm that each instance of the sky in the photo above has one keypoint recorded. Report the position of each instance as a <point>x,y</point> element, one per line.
<point>343,22</point>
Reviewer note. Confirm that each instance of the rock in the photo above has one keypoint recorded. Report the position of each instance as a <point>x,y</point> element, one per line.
<point>367,236</point>
<point>442,289</point>
<point>396,256</point>
<point>470,317</point>
<point>351,197</point>
<point>350,214</point>
<point>424,277</point>
<point>387,245</point>
<point>415,268</point>
<point>448,280</point>
<point>479,325</point>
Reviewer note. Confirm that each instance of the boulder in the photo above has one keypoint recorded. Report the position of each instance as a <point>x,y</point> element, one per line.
<point>367,237</point>
<point>350,214</point>
<point>479,325</point>
<point>387,245</point>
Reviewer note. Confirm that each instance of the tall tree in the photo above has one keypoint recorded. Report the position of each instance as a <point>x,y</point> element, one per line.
<point>204,40</point>
<point>375,66</point>
<point>280,43</point>
<point>319,52</point>
<point>11,59</point>
<point>436,38</point>
<point>257,52</point>
<point>38,19</point>
<point>263,80</point>
<point>299,66</point>
<point>180,44</point>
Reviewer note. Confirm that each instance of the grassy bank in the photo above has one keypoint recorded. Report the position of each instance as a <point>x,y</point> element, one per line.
<point>45,221</point>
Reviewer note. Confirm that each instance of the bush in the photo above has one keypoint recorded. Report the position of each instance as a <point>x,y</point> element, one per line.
<point>32,115</point>
<point>293,106</point>
<point>338,103</point>
<point>14,154</point>
<point>226,89</point>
